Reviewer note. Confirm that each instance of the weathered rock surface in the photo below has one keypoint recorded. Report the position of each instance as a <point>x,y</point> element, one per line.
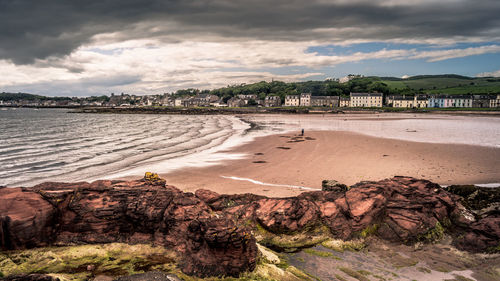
<point>483,204</point>
<point>400,209</point>
<point>333,185</point>
<point>130,212</point>
<point>211,232</point>
<point>481,200</point>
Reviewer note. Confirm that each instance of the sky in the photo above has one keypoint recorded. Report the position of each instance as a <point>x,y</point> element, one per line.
<point>84,48</point>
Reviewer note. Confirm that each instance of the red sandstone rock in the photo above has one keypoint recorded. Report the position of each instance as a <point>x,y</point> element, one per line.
<point>482,235</point>
<point>403,209</point>
<point>209,230</point>
<point>26,219</point>
<point>132,212</point>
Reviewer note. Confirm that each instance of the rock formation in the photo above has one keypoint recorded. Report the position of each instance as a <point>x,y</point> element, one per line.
<point>400,209</point>
<point>214,234</point>
<point>130,212</point>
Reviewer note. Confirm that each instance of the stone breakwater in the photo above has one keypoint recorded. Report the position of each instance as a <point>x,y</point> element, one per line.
<point>216,234</point>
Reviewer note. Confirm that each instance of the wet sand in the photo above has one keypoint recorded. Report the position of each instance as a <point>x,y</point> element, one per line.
<point>289,159</point>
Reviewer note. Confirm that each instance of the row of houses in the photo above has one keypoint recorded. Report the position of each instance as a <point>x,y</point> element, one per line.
<point>444,101</point>
<point>377,100</point>
<point>304,99</point>
<point>249,100</point>
<point>307,99</point>
<point>354,100</point>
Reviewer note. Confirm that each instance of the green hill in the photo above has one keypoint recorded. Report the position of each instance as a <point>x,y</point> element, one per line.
<point>447,84</point>
<point>29,97</point>
<point>443,84</point>
<point>20,96</point>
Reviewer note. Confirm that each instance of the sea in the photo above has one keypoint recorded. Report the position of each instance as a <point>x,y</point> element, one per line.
<point>38,145</point>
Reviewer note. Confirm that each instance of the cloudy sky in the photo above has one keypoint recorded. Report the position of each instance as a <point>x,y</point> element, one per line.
<point>82,48</point>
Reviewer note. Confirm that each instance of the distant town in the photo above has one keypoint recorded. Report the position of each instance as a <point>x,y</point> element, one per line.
<point>352,91</point>
<point>361,100</point>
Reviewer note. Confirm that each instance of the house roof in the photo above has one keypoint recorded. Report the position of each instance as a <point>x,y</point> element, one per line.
<point>402,97</point>
<point>366,94</point>
<point>324,97</point>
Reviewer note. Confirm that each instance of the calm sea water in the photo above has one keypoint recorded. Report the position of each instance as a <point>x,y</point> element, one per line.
<point>54,145</point>
<point>48,144</point>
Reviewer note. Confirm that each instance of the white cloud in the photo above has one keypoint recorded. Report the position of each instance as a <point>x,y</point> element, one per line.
<point>489,74</point>
<point>439,55</point>
<point>157,66</point>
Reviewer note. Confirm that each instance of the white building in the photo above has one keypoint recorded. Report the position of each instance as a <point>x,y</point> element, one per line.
<point>344,102</point>
<point>366,100</point>
<point>292,100</point>
<point>495,102</point>
<point>305,99</point>
<point>444,101</point>
<point>178,102</point>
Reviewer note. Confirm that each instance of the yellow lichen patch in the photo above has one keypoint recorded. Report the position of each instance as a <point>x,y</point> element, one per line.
<point>294,241</point>
<point>433,235</point>
<point>76,263</point>
<point>369,230</point>
<point>263,272</point>
<point>79,262</point>
<point>272,272</point>
<point>153,178</point>
<point>322,254</point>
<point>268,255</point>
<point>341,245</point>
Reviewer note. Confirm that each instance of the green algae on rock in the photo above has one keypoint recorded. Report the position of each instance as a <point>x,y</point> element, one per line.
<point>341,245</point>
<point>294,241</point>
<point>84,262</point>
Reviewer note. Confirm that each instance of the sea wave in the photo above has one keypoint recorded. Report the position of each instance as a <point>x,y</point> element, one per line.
<point>53,145</point>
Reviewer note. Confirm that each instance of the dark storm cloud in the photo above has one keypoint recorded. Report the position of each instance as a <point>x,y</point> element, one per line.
<point>32,30</point>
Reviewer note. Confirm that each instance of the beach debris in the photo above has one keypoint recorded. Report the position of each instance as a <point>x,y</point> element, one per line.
<point>259,153</point>
<point>259,162</point>
<point>292,141</point>
<point>153,179</point>
<point>283,147</point>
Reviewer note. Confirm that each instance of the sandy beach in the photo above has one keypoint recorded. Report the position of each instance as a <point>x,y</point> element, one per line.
<point>285,162</point>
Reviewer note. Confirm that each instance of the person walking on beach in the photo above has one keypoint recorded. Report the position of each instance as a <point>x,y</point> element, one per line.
<point>302,132</point>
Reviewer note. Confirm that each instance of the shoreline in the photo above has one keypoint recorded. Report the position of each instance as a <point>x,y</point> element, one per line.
<point>343,156</point>
<point>265,110</point>
<point>284,110</point>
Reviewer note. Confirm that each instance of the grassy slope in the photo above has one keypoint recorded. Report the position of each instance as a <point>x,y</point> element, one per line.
<point>448,85</point>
